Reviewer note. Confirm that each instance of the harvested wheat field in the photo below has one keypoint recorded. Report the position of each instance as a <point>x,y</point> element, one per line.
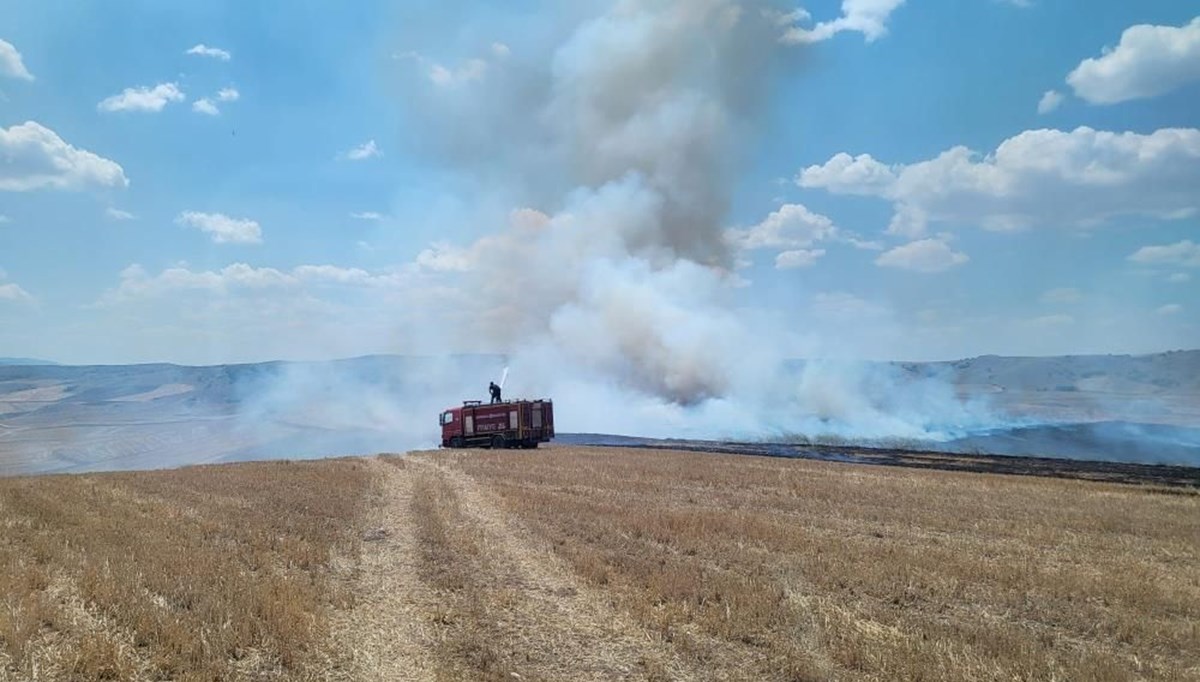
<point>595,564</point>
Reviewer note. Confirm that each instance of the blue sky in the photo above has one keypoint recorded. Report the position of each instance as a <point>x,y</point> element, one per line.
<point>225,181</point>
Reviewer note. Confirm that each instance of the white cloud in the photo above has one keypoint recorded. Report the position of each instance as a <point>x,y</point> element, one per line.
<point>467,72</point>
<point>500,50</point>
<point>363,151</point>
<point>442,257</point>
<point>37,158</point>
<point>240,278</point>
<point>1179,277</point>
<point>222,228</point>
<point>792,226</point>
<point>1186,253</point>
<point>11,64</point>
<point>118,214</point>
<point>868,17</point>
<point>205,106</point>
<point>798,258</point>
<point>845,174</point>
<point>1039,177</point>
<point>12,292</point>
<point>367,215</point>
<point>925,255</point>
<point>1170,309</point>
<point>1062,295</point>
<point>1149,61</point>
<point>143,98</point>
<point>1050,101</point>
<point>203,50</point>
<point>4,219</point>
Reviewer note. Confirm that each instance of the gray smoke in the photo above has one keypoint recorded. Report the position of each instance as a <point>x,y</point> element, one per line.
<point>641,111</point>
<point>612,287</point>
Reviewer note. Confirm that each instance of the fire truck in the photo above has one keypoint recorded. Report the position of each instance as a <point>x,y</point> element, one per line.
<point>506,424</point>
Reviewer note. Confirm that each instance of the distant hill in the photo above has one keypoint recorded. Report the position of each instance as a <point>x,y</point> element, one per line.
<point>1173,372</point>
<point>25,361</point>
<point>76,418</point>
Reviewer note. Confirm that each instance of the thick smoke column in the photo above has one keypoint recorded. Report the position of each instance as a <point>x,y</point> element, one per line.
<point>615,283</point>
<point>628,277</point>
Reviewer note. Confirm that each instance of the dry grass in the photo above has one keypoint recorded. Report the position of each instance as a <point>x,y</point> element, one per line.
<point>756,568</point>
<point>452,556</point>
<point>201,573</point>
<point>595,564</point>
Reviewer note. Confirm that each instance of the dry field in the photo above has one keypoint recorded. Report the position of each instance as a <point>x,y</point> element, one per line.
<point>591,563</point>
<point>206,573</point>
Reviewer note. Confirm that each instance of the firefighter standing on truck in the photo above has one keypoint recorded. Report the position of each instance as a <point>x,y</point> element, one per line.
<point>495,391</point>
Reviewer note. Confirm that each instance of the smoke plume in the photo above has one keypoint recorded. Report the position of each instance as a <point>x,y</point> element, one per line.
<point>613,283</point>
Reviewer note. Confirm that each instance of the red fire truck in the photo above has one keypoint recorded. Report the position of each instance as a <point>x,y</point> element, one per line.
<point>507,424</point>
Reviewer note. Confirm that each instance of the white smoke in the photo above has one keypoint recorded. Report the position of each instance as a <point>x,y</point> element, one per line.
<point>615,293</point>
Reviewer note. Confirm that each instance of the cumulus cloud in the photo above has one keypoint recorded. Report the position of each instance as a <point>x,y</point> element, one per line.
<point>222,228</point>
<point>442,257</point>
<point>1170,309</point>
<point>11,63</point>
<point>12,292</point>
<point>868,17</point>
<point>792,226</point>
<point>202,50</point>
<point>798,258</point>
<point>845,174</point>
<point>136,283</point>
<point>362,152</point>
<point>924,255</point>
<point>1037,178</point>
<point>37,158</point>
<point>1149,61</point>
<point>1050,101</point>
<point>367,215</point>
<point>205,106</point>
<point>143,98</point>
<point>468,71</point>
<point>117,214</point>
<point>1186,253</point>
<point>1179,277</point>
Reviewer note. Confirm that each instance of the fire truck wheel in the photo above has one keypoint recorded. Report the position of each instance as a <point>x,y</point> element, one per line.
<point>456,442</point>
<point>497,442</point>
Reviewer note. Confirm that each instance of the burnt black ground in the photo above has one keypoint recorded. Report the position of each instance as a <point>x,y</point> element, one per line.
<point>1116,472</point>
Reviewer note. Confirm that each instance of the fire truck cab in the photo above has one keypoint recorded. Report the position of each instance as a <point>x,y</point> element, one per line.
<point>507,424</point>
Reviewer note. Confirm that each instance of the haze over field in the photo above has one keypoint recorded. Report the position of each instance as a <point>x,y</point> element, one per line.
<point>650,204</point>
<point>57,419</point>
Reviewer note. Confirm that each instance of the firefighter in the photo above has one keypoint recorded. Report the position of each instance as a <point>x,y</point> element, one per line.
<point>495,391</point>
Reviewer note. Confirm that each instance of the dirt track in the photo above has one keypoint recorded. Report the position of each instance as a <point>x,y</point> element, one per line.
<point>515,612</point>
<point>595,564</point>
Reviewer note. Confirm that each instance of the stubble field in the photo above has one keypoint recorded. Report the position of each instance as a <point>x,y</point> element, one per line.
<point>593,563</point>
